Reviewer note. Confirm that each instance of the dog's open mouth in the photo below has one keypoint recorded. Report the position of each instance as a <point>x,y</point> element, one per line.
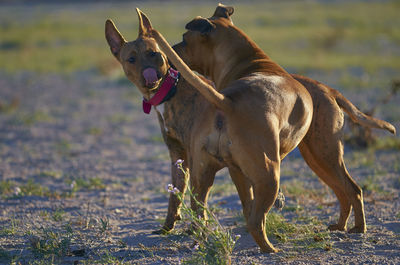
<point>151,78</point>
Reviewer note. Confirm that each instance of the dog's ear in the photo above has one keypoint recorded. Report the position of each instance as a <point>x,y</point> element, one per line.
<point>203,25</point>
<point>223,11</point>
<point>114,38</point>
<point>145,27</point>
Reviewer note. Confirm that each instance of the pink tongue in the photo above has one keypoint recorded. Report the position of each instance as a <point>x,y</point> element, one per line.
<point>150,75</point>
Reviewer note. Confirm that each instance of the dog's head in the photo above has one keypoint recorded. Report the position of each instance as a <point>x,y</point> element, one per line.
<point>141,59</point>
<point>202,41</point>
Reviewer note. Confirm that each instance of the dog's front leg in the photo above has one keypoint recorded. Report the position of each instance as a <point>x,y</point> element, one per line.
<point>176,151</point>
<point>179,181</point>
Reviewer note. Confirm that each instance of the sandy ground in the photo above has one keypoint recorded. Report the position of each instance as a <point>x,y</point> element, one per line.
<point>85,164</point>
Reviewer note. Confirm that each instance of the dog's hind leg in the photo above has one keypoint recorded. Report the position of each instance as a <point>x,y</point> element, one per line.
<point>259,164</point>
<point>265,180</point>
<point>327,162</point>
<point>244,188</point>
<point>345,206</point>
<point>322,149</point>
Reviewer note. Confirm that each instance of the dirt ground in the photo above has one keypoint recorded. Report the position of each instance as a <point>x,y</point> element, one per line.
<point>83,174</point>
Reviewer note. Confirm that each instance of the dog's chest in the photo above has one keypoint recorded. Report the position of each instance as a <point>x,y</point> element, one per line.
<point>173,124</point>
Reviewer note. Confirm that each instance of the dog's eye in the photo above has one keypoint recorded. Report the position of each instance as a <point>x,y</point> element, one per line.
<point>152,53</point>
<point>131,59</point>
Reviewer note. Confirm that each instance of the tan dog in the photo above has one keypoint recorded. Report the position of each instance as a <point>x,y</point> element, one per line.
<point>184,107</point>
<point>260,114</point>
<point>254,93</point>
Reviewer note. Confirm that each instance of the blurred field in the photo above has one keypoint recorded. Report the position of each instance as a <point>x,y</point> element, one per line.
<point>297,34</point>
<point>83,170</point>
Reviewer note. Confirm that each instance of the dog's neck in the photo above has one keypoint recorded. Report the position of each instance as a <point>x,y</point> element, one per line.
<point>228,65</point>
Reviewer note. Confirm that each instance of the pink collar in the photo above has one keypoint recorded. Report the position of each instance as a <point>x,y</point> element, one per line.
<point>167,86</point>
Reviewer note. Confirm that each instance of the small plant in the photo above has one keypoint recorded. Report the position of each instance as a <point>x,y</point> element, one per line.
<point>6,187</point>
<point>122,243</point>
<point>51,174</point>
<point>370,184</point>
<point>96,184</point>
<point>32,188</point>
<point>58,215</point>
<point>107,258</point>
<point>104,225</point>
<point>77,184</point>
<point>305,234</point>
<point>6,107</point>
<point>94,131</point>
<point>11,230</point>
<point>276,225</point>
<point>29,119</point>
<point>213,243</point>
<point>50,243</point>
<point>295,188</point>
<point>146,251</point>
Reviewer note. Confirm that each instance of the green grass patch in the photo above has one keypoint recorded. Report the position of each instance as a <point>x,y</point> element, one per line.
<point>277,226</point>
<point>8,107</point>
<point>32,188</point>
<point>384,143</point>
<point>306,233</point>
<point>95,131</point>
<point>77,184</point>
<point>213,243</point>
<point>51,174</point>
<point>296,34</point>
<point>223,189</point>
<point>298,190</point>
<point>11,229</point>
<point>156,139</point>
<point>6,187</point>
<point>294,188</point>
<point>51,243</point>
<point>30,119</point>
<point>362,158</point>
<point>10,189</point>
<point>371,184</point>
<point>58,215</point>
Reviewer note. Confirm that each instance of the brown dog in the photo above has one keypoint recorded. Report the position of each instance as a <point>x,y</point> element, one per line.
<point>210,47</point>
<point>261,114</point>
<point>183,108</point>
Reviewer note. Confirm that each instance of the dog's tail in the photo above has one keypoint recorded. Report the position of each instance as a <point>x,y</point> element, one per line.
<point>219,100</point>
<point>359,117</point>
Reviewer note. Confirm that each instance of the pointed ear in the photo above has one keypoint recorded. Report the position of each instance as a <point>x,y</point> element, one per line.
<point>145,27</point>
<point>114,38</point>
<point>223,11</point>
<point>203,25</point>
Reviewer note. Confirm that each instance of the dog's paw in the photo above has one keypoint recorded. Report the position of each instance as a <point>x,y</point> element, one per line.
<point>270,250</point>
<point>358,229</point>
<point>336,227</point>
<point>161,231</point>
